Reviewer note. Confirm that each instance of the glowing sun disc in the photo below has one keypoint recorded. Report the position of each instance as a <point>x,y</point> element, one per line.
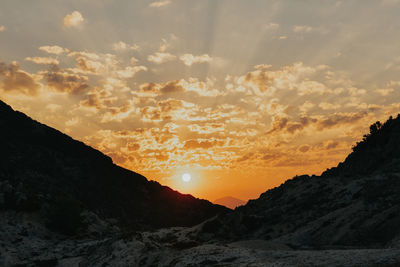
<point>186,177</point>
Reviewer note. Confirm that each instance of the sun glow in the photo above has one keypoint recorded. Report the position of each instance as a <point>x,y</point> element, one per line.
<point>186,177</point>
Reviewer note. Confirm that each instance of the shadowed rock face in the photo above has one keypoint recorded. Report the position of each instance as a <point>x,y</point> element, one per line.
<point>355,204</point>
<point>39,164</point>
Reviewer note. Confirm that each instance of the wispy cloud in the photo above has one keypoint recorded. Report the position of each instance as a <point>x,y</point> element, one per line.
<point>160,3</point>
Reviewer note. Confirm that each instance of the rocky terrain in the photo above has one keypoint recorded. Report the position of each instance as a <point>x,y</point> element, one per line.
<point>63,203</point>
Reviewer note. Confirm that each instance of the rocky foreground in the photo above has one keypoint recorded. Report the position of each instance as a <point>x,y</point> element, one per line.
<point>25,242</point>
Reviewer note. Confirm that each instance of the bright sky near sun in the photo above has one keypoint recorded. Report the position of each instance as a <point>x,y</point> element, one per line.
<point>238,95</point>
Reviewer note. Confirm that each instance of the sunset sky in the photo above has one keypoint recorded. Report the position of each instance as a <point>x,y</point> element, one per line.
<point>241,95</point>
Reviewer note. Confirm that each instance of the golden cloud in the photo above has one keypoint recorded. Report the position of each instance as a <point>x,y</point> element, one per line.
<point>74,19</point>
<point>43,60</point>
<point>161,57</point>
<point>190,59</point>
<point>55,49</point>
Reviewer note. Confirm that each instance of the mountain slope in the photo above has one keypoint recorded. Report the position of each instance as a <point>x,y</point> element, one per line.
<point>356,204</point>
<point>40,167</point>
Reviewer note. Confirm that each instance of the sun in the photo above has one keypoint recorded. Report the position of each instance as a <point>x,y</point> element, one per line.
<point>186,177</point>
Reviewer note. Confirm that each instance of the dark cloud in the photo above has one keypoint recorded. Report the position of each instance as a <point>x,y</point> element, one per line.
<point>62,81</point>
<point>172,87</point>
<point>159,89</point>
<point>17,80</point>
<point>340,118</point>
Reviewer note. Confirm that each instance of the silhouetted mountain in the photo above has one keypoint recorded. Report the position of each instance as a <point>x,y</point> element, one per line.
<point>42,169</point>
<point>229,202</point>
<point>355,204</point>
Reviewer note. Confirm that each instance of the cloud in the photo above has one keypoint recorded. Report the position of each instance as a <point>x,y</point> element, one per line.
<point>293,77</point>
<point>74,19</point>
<point>133,60</point>
<point>160,3</point>
<point>155,89</point>
<point>179,86</point>
<point>190,59</point>
<point>384,91</point>
<point>63,81</point>
<point>271,26</point>
<point>121,46</point>
<point>322,122</point>
<point>204,144</point>
<point>2,28</point>
<point>55,49</point>
<point>328,106</point>
<point>306,106</point>
<point>17,80</point>
<point>339,118</point>
<point>129,72</point>
<point>302,28</point>
<point>43,60</point>
<point>98,98</point>
<point>172,87</point>
<point>93,63</point>
<point>161,57</point>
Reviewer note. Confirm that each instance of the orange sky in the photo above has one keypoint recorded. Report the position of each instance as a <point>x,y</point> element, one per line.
<point>241,96</point>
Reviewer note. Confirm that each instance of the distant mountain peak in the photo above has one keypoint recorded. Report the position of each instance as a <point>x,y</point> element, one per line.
<point>230,202</point>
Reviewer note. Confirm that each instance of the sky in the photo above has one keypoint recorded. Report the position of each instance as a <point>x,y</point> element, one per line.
<point>239,94</point>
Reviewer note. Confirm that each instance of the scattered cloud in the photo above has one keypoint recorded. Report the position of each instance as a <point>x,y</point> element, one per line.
<point>161,57</point>
<point>384,91</point>
<point>160,3</point>
<point>271,26</point>
<point>302,28</point>
<point>121,46</point>
<point>43,60</point>
<point>190,59</point>
<point>74,19</point>
<point>55,49</point>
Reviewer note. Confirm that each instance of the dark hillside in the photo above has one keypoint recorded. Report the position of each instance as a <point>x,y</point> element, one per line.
<point>356,204</point>
<point>40,165</point>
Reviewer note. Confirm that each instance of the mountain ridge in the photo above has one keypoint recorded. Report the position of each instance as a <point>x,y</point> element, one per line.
<point>355,204</point>
<point>40,164</point>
